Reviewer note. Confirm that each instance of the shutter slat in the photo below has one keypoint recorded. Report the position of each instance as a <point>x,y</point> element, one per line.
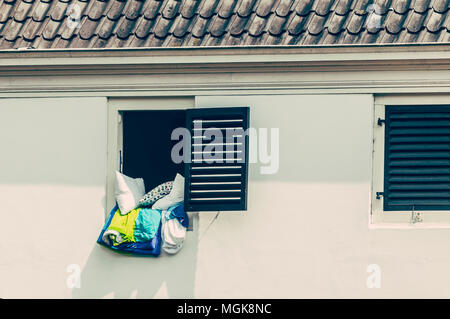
<point>419,147</point>
<point>422,124</point>
<point>420,171</point>
<point>418,155</point>
<point>420,139</point>
<point>216,186</point>
<point>419,195</point>
<point>216,177</point>
<point>417,158</point>
<point>419,163</point>
<point>419,186</point>
<point>420,115</point>
<point>225,170</point>
<point>412,132</point>
<point>419,179</point>
<point>208,195</point>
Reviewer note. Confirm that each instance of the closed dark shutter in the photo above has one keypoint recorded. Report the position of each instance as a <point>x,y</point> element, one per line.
<point>216,177</point>
<point>417,158</point>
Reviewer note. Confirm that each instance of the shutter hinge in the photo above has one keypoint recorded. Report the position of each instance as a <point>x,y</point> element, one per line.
<point>379,194</point>
<point>381,121</point>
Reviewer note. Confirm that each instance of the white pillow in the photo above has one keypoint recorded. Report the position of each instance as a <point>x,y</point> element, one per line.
<point>175,196</point>
<point>128,192</point>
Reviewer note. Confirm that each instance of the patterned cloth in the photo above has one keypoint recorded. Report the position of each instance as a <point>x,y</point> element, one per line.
<point>156,193</point>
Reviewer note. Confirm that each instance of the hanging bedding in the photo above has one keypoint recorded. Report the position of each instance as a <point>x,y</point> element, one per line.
<point>137,233</point>
<point>143,224</point>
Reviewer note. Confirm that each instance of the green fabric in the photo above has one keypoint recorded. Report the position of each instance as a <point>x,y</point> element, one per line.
<point>124,224</point>
<point>147,224</point>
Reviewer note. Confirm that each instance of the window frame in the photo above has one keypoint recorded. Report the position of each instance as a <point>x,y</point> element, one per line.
<point>114,133</point>
<point>378,216</point>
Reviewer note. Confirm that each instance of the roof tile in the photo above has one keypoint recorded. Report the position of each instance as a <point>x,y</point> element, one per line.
<point>245,7</point>
<point>304,6</point>
<point>316,24</point>
<point>323,7</point>
<point>170,9</point>
<point>421,6</point>
<point>342,7</point>
<point>295,27</point>
<point>238,25</point>
<point>401,6</point>
<point>11,30</point>
<point>50,29</point>
<point>434,21</point>
<point>394,22</point>
<point>5,9</point>
<point>30,30</point>
<point>381,6</point>
<point>199,27</point>
<point>188,8</point>
<point>21,10</point>
<point>276,26</point>
<point>284,7</point>
<point>374,22</point>
<point>226,8</point>
<point>217,28</point>
<point>133,9</point>
<point>96,10</point>
<point>151,9</point>
<point>264,7</point>
<point>40,10</point>
<point>134,23</point>
<point>414,22</point>
<point>207,8</point>
<point>335,23</point>
<point>181,27</point>
<point>106,28</point>
<point>361,7</point>
<point>123,27</point>
<point>58,10</point>
<point>440,5</point>
<point>257,25</point>
<point>88,28</point>
<point>143,27</point>
<point>355,23</point>
<point>115,9</point>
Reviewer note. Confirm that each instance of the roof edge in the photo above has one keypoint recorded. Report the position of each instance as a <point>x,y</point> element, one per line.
<point>241,57</point>
<point>214,50</point>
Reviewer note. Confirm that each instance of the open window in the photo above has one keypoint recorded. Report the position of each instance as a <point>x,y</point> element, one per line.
<point>214,152</point>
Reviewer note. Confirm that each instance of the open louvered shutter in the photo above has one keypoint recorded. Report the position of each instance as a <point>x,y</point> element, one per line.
<point>417,158</point>
<point>216,175</point>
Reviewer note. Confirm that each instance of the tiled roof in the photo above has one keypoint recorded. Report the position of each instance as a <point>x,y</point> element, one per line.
<point>170,23</point>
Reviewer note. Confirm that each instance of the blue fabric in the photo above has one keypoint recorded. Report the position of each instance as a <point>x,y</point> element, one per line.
<point>149,248</point>
<point>146,224</point>
<point>177,211</point>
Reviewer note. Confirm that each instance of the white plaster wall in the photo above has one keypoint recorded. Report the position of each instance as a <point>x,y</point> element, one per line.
<point>305,233</point>
<point>52,187</point>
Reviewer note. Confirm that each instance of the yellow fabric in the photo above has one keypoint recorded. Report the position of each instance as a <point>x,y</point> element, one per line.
<point>124,224</point>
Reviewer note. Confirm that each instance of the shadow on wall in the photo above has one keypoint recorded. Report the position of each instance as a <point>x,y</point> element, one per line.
<point>115,275</point>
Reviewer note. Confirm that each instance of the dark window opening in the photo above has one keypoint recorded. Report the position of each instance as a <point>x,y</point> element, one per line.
<point>147,145</point>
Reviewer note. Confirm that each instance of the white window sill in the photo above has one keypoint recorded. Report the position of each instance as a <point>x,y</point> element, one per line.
<point>409,226</point>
